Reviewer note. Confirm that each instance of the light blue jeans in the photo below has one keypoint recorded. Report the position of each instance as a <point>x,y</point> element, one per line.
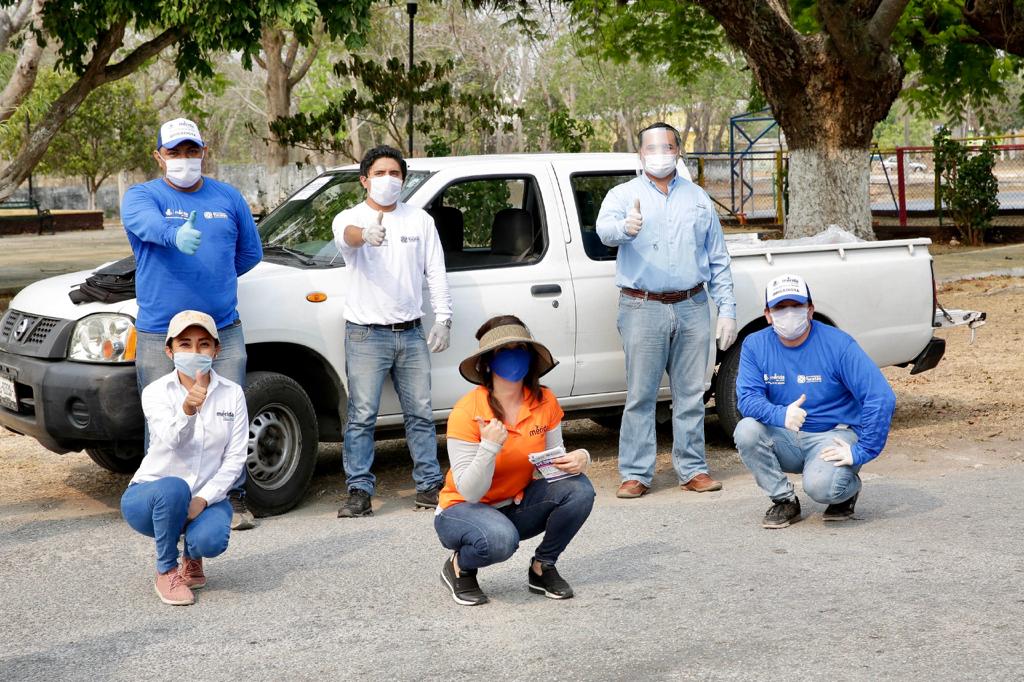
<point>371,355</point>
<point>770,452</point>
<point>151,363</point>
<point>660,337</point>
<point>159,509</point>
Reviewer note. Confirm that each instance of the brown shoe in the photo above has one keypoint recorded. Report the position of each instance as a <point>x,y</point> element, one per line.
<point>171,588</point>
<point>701,483</point>
<point>631,489</point>
<point>192,573</point>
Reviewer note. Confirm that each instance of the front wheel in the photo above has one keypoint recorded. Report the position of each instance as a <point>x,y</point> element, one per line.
<point>726,402</point>
<point>283,439</point>
<point>118,459</point>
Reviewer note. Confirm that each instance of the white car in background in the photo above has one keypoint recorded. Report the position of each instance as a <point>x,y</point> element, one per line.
<point>909,164</point>
<point>519,237</point>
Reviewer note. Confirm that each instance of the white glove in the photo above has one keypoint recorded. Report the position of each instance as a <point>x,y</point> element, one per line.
<point>634,221</point>
<point>795,414</point>
<point>438,338</point>
<point>725,333</point>
<point>374,234</point>
<point>840,454</point>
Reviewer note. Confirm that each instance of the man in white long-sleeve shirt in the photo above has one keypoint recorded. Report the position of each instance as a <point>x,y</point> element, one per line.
<point>198,426</point>
<point>390,251</point>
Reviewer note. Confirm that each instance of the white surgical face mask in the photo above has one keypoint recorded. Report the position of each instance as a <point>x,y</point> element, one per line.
<point>790,323</point>
<point>385,189</point>
<point>184,172</point>
<point>660,165</point>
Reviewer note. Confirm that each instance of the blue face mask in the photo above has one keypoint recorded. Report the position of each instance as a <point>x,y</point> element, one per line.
<point>191,363</point>
<point>511,364</point>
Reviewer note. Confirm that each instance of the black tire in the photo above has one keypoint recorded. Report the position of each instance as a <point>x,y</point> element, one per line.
<point>118,459</point>
<point>283,440</point>
<point>726,404</point>
<point>612,422</point>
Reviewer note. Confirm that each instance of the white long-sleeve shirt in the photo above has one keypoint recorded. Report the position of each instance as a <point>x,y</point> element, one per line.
<point>206,450</point>
<point>385,284</point>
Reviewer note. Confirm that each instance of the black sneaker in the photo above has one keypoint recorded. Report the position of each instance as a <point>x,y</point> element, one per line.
<point>428,498</point>
<point>357,504</point>
<point>241,517</point>
<point>548,583</point>
<point>782,514</point>
<point>840,512</point>
<point>464,588</point>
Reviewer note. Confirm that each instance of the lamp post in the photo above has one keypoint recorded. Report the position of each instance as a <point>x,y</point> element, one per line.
<point>411,8</point>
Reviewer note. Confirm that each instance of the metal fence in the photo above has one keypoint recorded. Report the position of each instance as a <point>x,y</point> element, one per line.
<point>903,182</point>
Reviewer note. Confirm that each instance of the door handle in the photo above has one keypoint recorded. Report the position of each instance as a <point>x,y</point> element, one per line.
<point>546,290</point>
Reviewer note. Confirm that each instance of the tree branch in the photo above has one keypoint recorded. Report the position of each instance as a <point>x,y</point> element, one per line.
<point>23,77</point>
<point>300,72</point>
<point>293,50</point>
<point>259,60</point>
<point>883,23</point>
<point>137,57</point>
<point>11,23</point>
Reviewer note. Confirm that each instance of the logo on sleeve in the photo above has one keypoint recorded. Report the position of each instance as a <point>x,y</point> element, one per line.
<point>775,379</point>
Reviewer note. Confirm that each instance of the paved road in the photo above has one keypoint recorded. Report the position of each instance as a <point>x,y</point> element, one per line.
<point>926,585</point>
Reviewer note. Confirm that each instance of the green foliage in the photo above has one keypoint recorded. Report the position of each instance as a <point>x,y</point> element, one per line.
<point>479,201</point>
<point>383,94</point>
<point>568,134</point>
<point>969,189</point>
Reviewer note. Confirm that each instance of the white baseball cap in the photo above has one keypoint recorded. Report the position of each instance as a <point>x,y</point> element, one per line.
<point>191,318</point>
<point>786,288</point>
<point>177,131</point>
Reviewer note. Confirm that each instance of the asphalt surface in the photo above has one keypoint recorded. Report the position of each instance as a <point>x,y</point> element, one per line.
<point>925,584</point>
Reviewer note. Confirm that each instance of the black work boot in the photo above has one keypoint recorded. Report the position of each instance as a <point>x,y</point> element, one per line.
<point>841,511</point>
<point>464,587</point>
<point>782,513</point>
<point>357,504</point>
<point>427,499</point>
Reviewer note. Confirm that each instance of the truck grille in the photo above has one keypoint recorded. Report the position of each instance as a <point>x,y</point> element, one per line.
<point>27,330</point>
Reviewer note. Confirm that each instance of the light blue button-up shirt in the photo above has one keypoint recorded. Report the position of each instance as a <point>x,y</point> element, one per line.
<point>680,245</point>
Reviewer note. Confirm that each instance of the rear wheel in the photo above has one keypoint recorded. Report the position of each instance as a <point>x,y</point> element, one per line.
<point>119,459</point>
<point>283,439</point>
<point>726,403</point>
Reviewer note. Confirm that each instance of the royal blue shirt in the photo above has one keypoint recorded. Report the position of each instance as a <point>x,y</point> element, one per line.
<point>166,280</point>
<point>842,385</point>
<point>680,245</point>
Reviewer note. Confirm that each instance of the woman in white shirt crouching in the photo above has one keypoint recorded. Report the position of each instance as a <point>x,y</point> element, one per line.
<point>198,434</point>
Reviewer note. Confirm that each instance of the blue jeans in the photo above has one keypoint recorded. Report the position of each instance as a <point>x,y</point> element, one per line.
<point>770,452</point>
<point>151,363</point>
<point>484,535</point>
<point>660,337</point>
<point>159,509</point>
<point>371,355</point>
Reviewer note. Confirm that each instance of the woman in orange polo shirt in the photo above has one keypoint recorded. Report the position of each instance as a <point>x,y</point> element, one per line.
<point>493,495</point>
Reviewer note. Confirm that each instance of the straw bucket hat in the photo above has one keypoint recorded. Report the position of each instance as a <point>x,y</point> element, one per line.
<point>502,336</point>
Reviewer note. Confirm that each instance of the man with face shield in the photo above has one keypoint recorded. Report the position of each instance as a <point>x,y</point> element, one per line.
<point>813,403</point>
<point>390,249</point>
<point>670,246</point>
<point>192,237</point>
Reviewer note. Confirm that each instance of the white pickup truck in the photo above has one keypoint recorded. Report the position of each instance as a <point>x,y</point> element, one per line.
<point>519,237</point>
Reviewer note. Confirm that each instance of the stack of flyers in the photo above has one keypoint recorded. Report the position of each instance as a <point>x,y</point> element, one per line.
<point>542,460</point>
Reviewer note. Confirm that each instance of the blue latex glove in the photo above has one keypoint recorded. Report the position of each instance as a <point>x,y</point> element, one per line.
<point>187,237</point>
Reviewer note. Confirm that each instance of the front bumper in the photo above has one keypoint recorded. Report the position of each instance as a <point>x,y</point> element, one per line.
<point>69,406</point>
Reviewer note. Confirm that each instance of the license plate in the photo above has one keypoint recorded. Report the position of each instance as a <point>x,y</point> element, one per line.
<point>8,398</point>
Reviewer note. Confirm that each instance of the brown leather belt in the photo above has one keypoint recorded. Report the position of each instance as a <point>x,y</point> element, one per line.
<point>664,296</point>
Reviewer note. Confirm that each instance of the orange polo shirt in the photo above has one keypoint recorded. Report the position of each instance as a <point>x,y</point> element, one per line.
<point>513,470</point>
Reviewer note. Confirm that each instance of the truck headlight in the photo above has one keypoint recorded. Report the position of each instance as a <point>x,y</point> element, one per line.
<point>104,337</point>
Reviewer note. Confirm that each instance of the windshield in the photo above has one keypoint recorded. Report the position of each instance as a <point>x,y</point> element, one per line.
<point>299,230</point>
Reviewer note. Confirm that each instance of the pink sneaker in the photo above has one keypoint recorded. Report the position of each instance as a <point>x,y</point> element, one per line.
<point>171,589</point>
<point>192,573</point>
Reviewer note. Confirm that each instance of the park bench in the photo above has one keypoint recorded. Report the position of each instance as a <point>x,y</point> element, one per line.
<point>43,215</point>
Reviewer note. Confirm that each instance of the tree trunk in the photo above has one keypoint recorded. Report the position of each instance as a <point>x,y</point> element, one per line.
<point>277,90</point>
<point>827,91</point>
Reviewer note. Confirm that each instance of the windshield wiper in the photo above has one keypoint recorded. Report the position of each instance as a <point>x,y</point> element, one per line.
<point>297,255</point>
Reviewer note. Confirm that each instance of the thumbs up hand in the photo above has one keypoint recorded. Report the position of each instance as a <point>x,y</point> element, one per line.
<point>795,415</point>
<point>634,221</point>
<point>375,234</point>
<point>187,237</point>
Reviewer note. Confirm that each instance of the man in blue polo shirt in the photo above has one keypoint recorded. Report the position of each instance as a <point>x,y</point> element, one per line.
<point>813,403</point>
<point>193,237</point>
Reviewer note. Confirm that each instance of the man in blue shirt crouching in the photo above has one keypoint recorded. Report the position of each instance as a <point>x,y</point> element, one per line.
<point>813,403</point>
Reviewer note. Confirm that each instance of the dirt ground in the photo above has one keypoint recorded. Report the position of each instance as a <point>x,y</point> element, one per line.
<point>967,412</point>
